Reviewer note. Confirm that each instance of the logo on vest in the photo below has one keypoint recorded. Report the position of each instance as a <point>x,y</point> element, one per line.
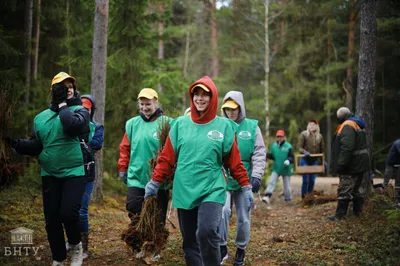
<point>215,135</point>
<point>246,135</point>
<point>156,136</point>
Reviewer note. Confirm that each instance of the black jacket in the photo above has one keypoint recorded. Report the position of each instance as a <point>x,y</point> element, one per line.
<point>394,154</point>
<point>349,153</point>
<point>75,123</point>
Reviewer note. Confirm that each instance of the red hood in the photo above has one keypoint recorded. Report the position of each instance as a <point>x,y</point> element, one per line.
<point>211,112</point>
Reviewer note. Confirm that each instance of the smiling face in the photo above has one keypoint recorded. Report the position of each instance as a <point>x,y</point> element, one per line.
<point>147,106</point>
<point>70,87</point>
<point>201,100</point>
<point>232,114</point>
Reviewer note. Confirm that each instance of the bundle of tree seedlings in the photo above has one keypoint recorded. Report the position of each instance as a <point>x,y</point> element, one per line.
<point>147,233</point>
<point>9,167</point>
<point>317,197</point>
<point>163,131</point>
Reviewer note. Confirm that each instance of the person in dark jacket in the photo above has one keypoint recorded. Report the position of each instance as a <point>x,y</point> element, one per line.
<point>56,143</point>
<point>392,169</point>
<point>350,160</point>
<point>95,141</point>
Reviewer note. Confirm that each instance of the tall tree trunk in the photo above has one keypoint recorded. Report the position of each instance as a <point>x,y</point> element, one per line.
<point>204,18</point>
<point>98,82</point>
<point>68,38</point>
<point>28,53</point>
<point>186,61</point>
<point>266,79</point>
<point>37,37</point>
<point>28,44</point>
<point>235,15</point>
<point>214,41</point>
<point>350,53</point>
<point>160,9</point>
<point>366,72</point>
<point>328,109</point>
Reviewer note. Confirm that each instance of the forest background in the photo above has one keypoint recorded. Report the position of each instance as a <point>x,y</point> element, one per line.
<point>168,44</point>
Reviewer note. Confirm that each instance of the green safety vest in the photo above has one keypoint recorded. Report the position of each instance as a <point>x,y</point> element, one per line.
<point>280,155</point>
<point>143,137</point>
<point>61,155</point>
<point>246,137</point>
<point>200,149</point>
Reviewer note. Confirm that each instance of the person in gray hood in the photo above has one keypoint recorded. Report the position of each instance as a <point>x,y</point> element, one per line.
<point>252,153</point>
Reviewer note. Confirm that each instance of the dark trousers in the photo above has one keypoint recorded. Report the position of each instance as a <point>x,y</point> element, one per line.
<point>61,203</point>
<point>200,234</point>
<point>135,198</point>
<point>350,186</point>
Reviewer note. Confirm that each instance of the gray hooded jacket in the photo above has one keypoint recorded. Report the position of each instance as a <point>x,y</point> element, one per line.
<point>258,159</point>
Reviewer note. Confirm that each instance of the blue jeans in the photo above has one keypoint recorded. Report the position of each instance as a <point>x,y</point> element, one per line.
<point>199,229</point>
<point>242,219</point>
<point>308,180</point>
<point>84,210</point>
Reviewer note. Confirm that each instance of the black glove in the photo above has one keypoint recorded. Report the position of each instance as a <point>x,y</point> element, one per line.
<point>60,94</point>
<point>11,142</point>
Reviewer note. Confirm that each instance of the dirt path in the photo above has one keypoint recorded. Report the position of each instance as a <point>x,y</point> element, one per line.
<point>281,233</point>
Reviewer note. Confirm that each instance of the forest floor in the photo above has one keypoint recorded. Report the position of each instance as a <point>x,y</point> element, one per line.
<point>281,233</point>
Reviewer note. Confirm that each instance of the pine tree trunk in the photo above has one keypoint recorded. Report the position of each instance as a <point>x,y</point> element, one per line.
<point>214,41</point>
<point>186,62</point>
<point>328,109</point>
<point>160,9</point>
<point>28,53</point>
<point>28,49</point>
<point>37,37</point>
<point>350,53</point>
<point>266,79</point>
<point>68,38</point>
<point>366,73</point>
<point>98,82</point>
<point>235,15</point>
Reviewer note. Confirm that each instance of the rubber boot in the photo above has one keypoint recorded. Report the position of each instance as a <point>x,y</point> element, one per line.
<point>358,206</point>
<point>341,210</point>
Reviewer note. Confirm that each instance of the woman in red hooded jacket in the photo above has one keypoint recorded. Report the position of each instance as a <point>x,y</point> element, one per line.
<point>199,146</point>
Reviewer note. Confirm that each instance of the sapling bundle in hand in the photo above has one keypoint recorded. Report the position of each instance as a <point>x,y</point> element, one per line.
<point>162,132</point>
<point>147,232</point>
